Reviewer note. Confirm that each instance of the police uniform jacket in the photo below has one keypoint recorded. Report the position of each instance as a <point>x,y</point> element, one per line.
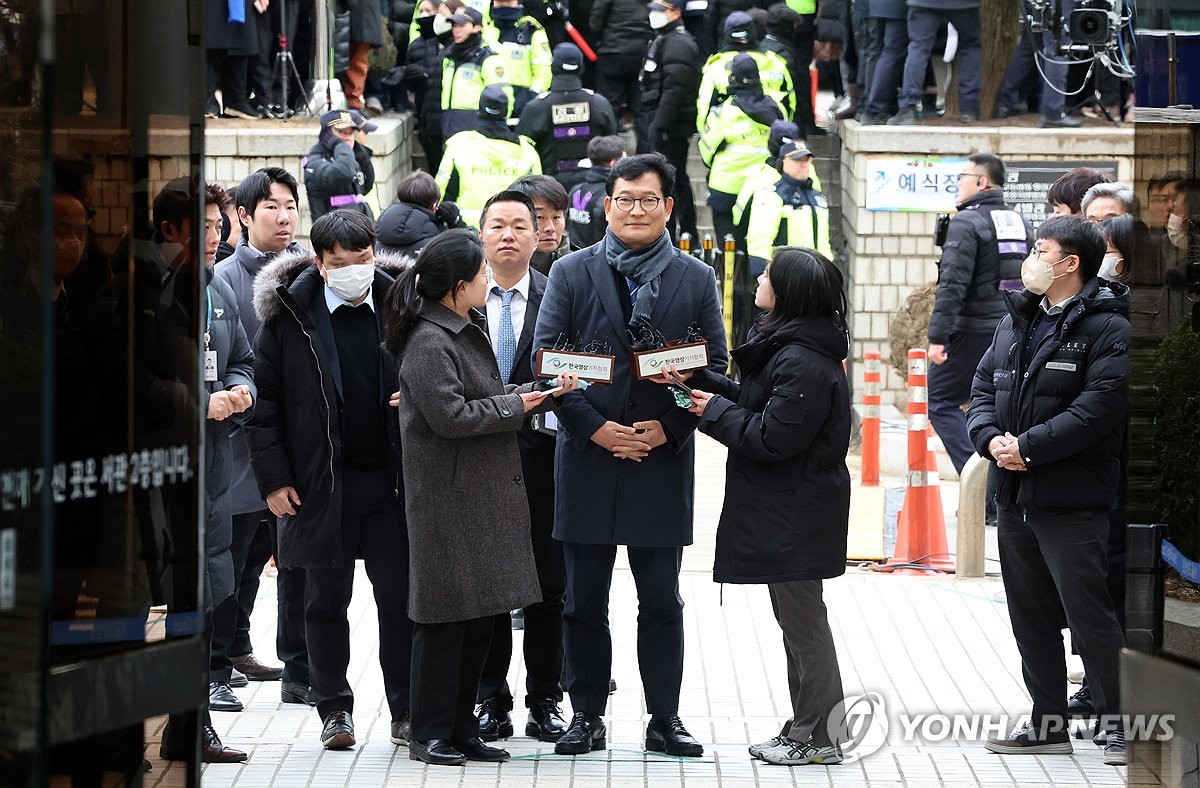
<point>773,73</point>
<point>467,69</point>
<point>478,164</point>
<point>561,122</point>
<point>338,176</point>
<point>734,142</point>
<point>790,213</point>
<point>525,49</point>
<point>670,78</point>
<point>985,244</point>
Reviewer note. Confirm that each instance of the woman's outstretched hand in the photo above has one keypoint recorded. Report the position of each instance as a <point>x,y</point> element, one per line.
<point>700,400</point>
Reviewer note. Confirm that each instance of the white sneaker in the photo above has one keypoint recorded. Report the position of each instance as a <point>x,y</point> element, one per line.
<point>757,749</point>
<point>795,753</point>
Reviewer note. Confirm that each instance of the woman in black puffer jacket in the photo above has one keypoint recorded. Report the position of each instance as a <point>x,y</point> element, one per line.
<point>787,490</point>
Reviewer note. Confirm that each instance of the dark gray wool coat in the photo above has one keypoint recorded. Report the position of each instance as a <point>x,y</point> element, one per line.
<point>470,553</point>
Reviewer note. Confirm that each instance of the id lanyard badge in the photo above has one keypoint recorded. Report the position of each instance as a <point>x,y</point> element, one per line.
<point>210,356</point>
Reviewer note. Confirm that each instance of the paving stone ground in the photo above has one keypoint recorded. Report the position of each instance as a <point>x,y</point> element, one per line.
<point>925,645</point>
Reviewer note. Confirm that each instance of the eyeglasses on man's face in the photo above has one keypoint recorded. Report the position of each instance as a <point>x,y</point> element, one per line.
<point>647,204</point>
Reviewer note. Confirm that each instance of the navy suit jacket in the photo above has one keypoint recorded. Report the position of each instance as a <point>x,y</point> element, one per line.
<point>603,500</point>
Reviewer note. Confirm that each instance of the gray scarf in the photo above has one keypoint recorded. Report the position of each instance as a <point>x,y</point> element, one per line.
<point>644,266</point>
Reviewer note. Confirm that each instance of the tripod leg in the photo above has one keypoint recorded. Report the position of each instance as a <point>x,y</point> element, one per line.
<point>295,72</point>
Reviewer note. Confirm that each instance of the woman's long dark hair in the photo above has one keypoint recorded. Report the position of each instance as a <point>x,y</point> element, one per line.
<point>807,285</point>
<point>451,257</point>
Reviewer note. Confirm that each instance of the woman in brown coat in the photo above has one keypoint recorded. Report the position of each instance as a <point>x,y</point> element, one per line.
<point>468,518</point>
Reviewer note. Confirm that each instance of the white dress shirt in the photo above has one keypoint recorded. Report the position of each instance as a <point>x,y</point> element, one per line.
<point>495,303</point>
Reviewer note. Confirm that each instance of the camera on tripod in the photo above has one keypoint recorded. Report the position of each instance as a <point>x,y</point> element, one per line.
<point>1094,23</point>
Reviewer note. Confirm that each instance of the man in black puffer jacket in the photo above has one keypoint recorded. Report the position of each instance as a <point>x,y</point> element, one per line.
<point>981,256</point>
<point>1049,406</point>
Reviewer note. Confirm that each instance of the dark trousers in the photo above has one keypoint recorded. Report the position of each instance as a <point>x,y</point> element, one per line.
<point>949,388</point>
<point>251,549</point>
<point>867,41</point>
<point>923,24</point>
<point>659,625</point>
<point>617,80</point>
<point>291,644</point>
<point>373,529</point>
<point>1054,563</point>
<point>446,662</point>
<point>227,73</point>
<point>543,641</point>
<point>806,36</point>
<point>1023,67</point>
<point>683,216</point>
<point>882,97</point>
<point>814,678</point>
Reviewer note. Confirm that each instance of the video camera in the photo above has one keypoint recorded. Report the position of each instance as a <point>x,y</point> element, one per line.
<point>1100,30</point>
<point>1094,23</point>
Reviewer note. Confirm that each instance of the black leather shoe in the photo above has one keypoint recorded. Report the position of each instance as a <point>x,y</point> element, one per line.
<point>668,735</point>
<point>435,752</point>
<point>255,670</point>
<point>612,686</point>
<point>476,750</point>
<point>296,693</point>
<point>494,720</point>
<point>237,678</point>
<point>401,731</point>
<point>338,733</point>
<point>546,722</point>
<point>213,751</point>
<point>221,698</point>
<point>585,733</point>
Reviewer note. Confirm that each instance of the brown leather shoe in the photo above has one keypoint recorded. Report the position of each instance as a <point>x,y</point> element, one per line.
<point>255,670</point>
<point>213,751</point>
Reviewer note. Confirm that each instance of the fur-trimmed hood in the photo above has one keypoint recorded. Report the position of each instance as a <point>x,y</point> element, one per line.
<point>288,269</point>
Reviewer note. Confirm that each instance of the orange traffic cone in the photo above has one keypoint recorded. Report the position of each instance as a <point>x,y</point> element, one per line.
<point>921,529</point>
<point>870,420</point>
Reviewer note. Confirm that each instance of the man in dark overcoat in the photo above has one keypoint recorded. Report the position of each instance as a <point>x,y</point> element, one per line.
<point>509,232</point>
<point>625,461</point>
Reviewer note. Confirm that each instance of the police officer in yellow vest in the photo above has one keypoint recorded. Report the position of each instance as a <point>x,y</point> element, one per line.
<point>789,212</point>
<point>766,173</point>
<point>734,142</point>
<point>742,36</point>
<point>485,160</point>
<point>468,66</point>
<point>523,44</point>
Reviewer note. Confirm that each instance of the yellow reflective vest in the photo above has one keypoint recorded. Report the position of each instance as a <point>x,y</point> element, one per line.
<point>772,72</point>
<point>763,177</point>
<point>462,85</point>
<point>733,145</point>
<point>527,64</point>
<point>774,223</point>
<point>477,166</point>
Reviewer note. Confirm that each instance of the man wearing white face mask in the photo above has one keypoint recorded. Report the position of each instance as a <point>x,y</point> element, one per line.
<point>326,454</point>
<point>1048,407</point>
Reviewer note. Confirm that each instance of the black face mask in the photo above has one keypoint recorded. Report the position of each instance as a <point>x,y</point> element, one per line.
<point>506,17</point>
<point>425,25</point>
